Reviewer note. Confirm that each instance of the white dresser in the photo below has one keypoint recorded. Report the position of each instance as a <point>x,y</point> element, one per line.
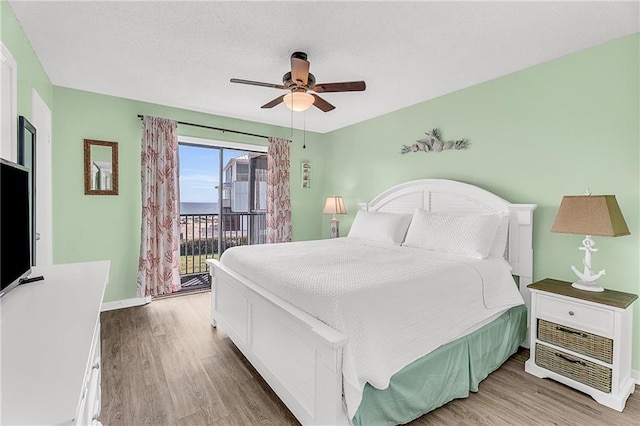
<point>582,339</point>
<point>50,355</point>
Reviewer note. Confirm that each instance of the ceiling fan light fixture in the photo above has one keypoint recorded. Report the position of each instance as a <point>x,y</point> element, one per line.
<point>298,101</point>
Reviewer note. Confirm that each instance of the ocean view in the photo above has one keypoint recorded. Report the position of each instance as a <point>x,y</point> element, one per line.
<point>199,208</point>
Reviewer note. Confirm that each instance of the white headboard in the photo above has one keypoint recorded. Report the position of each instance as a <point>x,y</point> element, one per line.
<point>441,195</point>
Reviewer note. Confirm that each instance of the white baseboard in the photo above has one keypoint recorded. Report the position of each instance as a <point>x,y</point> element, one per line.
<point>635,375</point>
<point>126,303</point>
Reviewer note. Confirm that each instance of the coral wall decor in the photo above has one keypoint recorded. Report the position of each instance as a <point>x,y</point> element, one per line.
<point>433,143</point>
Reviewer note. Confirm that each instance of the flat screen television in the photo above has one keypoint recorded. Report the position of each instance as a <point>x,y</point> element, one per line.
<point>15,235</point>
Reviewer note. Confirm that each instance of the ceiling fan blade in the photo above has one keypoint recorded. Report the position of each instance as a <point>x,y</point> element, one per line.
<point>299,71</point>
<point>258,83</point>
<point>346,86</point>
<point>276,101</point>
<point>322,104</point>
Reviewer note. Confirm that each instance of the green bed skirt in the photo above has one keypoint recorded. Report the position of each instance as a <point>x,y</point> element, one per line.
<point>447,373</point>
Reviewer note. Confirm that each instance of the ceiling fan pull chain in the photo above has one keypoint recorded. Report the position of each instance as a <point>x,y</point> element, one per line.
<point>304,130</point>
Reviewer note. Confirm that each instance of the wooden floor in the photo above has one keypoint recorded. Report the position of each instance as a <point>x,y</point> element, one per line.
<point>163,364</point>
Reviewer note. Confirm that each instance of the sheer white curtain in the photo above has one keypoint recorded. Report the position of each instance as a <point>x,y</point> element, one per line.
<point>278,195</point>
<point>159,265</point>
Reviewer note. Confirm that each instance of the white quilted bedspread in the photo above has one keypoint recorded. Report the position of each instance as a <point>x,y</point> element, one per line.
<point>395,304</point>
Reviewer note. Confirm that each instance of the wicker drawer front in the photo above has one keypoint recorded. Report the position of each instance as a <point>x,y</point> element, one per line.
<point>578,369</point>
<point>576,340</point>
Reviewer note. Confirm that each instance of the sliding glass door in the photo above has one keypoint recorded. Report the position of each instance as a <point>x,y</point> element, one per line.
<point>244,191</point>
<point>222,204</point>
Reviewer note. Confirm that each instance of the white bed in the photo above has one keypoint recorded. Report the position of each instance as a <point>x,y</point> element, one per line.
<point>296,345</point>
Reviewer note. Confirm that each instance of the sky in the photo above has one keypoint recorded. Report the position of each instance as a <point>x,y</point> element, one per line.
<point>199,172</point>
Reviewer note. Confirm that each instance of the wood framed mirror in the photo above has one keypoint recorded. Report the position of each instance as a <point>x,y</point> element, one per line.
<point>100,167</point>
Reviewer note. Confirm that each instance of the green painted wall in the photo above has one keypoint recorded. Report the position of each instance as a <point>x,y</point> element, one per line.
<point>536,135</point>
<point>91,227</point>
<point>31,75</point>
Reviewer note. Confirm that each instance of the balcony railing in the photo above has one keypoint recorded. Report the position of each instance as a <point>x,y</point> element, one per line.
<point>200,237</point>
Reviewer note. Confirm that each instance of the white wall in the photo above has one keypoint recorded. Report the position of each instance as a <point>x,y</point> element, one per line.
<point>8,105</point>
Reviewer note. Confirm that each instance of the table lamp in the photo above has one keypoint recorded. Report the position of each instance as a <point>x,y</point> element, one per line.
<point>589,215</point>
<point>334,205</point>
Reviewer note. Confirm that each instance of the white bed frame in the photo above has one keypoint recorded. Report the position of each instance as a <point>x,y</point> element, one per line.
<point>299,356</point>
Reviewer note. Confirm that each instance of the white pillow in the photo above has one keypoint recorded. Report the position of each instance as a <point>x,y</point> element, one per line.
<point>466,235</point>
<point>378,226</point>
<point>499,244</point>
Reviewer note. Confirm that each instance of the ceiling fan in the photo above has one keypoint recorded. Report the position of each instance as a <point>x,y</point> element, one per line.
<point>298,82</point>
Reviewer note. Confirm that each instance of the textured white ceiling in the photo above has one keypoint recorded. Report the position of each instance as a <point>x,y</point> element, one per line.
<point>183,54</point>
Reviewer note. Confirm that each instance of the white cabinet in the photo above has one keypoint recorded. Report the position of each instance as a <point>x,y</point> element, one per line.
<point>582,339</point>
<point>50,351</point>
<point>90,403</point>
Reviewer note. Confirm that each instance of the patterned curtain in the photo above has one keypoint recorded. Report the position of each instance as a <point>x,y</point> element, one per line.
<point>159,265</point>
<point>278,200</point>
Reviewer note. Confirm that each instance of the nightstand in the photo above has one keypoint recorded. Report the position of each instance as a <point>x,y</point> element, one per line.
<point>582,339</point>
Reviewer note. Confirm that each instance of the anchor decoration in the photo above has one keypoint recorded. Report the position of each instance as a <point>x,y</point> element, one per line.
<point>588,277</point>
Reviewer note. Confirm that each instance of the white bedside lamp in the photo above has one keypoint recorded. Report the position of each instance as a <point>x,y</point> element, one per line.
<point>334,205</point>
<point>589,215</point>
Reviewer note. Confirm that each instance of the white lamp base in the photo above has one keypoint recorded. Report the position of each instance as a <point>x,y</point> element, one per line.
<point>334,227</point>
<point>588,286</point>
<point>588,278</point>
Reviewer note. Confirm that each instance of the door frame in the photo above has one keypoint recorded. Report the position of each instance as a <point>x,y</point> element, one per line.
<point>41,120</point>
<point>8,95</point>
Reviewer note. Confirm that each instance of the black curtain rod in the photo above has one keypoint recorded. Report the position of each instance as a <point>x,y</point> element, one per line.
<point>217,128</point>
